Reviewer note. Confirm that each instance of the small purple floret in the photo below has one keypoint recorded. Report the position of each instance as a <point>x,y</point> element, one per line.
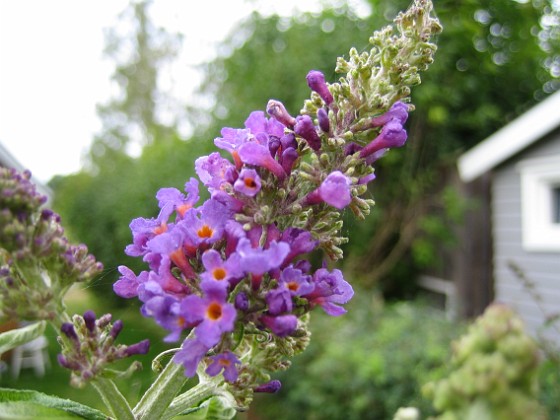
<point>335,190</point>
<point>190,355</point>
<point>227,362</point>
<point>248,183</point>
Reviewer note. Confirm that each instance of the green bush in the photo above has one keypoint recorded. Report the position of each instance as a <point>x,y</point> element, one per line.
<point>493,372</point>
<point>365,364</point>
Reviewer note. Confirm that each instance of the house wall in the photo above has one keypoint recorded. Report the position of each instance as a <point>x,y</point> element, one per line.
<point>516,270</point>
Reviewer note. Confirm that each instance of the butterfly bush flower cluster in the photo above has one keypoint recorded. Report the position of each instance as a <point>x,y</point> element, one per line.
<point>230,277</point>
<point>37,263</point>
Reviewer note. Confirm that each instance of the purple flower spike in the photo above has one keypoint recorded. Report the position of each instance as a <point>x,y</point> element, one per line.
<point>224,361</point>
<point>277,110</point>
<point>316,82</point>
<point>304,128</point>
<point>271,387</point>
<point>248,183</point>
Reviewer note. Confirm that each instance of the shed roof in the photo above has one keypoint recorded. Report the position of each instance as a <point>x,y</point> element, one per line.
<point>511,139</point>
<point>9,161</point>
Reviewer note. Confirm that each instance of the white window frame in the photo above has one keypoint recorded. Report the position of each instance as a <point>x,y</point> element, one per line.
<point>539,177</point>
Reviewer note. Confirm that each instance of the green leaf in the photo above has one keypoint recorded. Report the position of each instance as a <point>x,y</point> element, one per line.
<point>14,338</point>
<point>24,404</point>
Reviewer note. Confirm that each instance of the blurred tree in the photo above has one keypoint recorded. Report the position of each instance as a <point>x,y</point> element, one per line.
<point>98,203</point>
<point>131,119</point>
<point>496,58</point>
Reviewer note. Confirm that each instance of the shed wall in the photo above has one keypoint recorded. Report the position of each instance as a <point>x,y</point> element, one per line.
<point>538,271</point>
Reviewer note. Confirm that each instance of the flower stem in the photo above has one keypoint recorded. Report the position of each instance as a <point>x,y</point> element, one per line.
<point>160,395</point>
<point>192,398</point>
<point>113,399</point>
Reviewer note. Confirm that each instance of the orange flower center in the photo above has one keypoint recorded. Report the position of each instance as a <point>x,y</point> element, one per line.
<point>214,311</point>
<point>250,183</point>
<point>219,273</point>
<point>160,229</point>
<point>182,209</point>
<point>293,286</point>
<point>205,232</point>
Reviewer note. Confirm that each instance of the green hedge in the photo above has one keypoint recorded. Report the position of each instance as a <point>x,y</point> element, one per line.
<point>365,364</point>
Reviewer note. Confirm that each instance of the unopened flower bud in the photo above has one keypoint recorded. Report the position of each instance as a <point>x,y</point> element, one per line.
<point>117,328</point>
<point>89,319</point>
<point>271,387</point>
<point>242,301</point>
<point>139,348</point>
<point>68,329</point>
<point>323,118</point>
<point>277,110</point>
<point>304,128</point>
<point>316,82</point>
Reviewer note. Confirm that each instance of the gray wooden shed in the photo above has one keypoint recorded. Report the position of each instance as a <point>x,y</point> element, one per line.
<point>522,165</point>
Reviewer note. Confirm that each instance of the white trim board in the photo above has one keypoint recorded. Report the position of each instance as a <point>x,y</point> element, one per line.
<point>514,137</point>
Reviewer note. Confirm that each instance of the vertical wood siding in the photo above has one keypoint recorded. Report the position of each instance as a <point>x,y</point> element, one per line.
<point>540,268</point>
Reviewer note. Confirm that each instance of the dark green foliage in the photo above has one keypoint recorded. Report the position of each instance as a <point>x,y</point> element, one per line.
<point>365,364</point>
<point>549,386</point>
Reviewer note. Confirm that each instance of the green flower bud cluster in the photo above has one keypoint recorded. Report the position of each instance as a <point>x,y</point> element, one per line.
<point>37,264</point>
<point>268,353</point>
<point>88,347</point>
<point>377,79</point>
<point>494,370</point>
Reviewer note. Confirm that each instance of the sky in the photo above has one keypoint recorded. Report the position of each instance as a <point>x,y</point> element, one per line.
<point>53,73</point>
